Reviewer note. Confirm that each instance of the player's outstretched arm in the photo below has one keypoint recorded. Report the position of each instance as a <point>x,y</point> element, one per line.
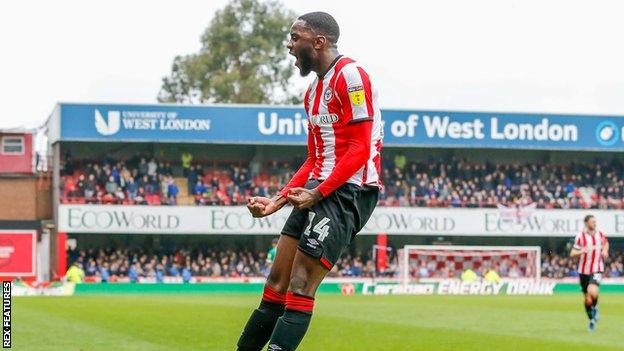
<point>261,206</point>
<point>303,174</point>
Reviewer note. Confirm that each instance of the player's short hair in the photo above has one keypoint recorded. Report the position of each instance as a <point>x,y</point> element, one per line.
<point>323,23</point>
<point>587,218</point>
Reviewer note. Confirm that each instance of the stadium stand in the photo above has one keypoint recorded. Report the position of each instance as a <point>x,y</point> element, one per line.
<point>110,264</point>
<point>456,183</point>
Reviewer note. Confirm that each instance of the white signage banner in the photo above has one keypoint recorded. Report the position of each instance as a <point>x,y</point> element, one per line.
<point>109,219</point>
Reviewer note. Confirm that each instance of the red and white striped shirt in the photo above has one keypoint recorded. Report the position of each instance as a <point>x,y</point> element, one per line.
<point>345,132</point>
<point>590,262</point>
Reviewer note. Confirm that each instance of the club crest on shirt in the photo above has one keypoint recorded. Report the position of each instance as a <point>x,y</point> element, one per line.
<point>328,95</point>
<point>356,94</point>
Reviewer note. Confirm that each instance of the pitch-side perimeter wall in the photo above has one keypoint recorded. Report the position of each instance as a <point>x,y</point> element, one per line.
<point>109,219</point>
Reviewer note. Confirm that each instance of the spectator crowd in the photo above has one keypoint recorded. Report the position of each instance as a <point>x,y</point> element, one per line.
<point>110,264</point>
<point>143,180</point>
<point>448,183</point>
<point>560,266</point>
<point>458,183</point>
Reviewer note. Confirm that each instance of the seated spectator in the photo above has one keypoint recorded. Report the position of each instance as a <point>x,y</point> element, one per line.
<point>139,199</point>
<point>173,270</point>
<point>172,191</point>
<point>80,186</point>
<point>119,195</point>
<point>133,273</point>
<point>90,187</point>
<point>132,187</point>
<point>199,188</point>
<point>104,273</point>
<point>111,186</point>
<point>160,273</point>
<point>186,274</point>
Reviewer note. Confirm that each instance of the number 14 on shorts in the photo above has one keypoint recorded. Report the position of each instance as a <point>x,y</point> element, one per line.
<point>321,228</point>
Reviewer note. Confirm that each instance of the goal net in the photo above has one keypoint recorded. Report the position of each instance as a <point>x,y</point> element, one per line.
<point>418,262</point>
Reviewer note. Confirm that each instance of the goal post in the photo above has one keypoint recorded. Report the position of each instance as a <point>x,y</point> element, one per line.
<point>439,262</point>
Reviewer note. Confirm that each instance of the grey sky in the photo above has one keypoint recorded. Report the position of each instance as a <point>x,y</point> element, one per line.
<point>499,55</point>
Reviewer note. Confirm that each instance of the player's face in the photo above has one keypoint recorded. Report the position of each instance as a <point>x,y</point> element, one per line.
<point>591,224</point>
<point>301,46</point>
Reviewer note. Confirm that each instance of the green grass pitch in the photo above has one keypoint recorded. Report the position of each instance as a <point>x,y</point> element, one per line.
<point>213,322</point>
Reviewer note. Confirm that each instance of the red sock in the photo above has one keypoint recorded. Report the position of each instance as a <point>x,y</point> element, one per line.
<point>270,295</point>
<point>297,302</point>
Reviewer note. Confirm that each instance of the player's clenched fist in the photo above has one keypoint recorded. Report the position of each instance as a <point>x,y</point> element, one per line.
<point>303,198</point>
<point>257,205</point>
<point>260,206</point>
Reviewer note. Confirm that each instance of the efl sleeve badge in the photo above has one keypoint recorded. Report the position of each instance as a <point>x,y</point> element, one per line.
<point>356,94</point>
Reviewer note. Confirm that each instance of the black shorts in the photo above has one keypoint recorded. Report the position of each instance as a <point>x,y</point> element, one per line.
<point>587,279</point>
<point>326,229</point>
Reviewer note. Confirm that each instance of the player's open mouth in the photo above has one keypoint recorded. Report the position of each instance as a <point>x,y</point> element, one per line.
<point>296,59</point>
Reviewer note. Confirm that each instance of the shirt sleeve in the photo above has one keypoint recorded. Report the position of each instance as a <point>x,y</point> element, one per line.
<point>359,139</point>
<point>354,90</point>
<point>302,175</point>
<point>577,242</point>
